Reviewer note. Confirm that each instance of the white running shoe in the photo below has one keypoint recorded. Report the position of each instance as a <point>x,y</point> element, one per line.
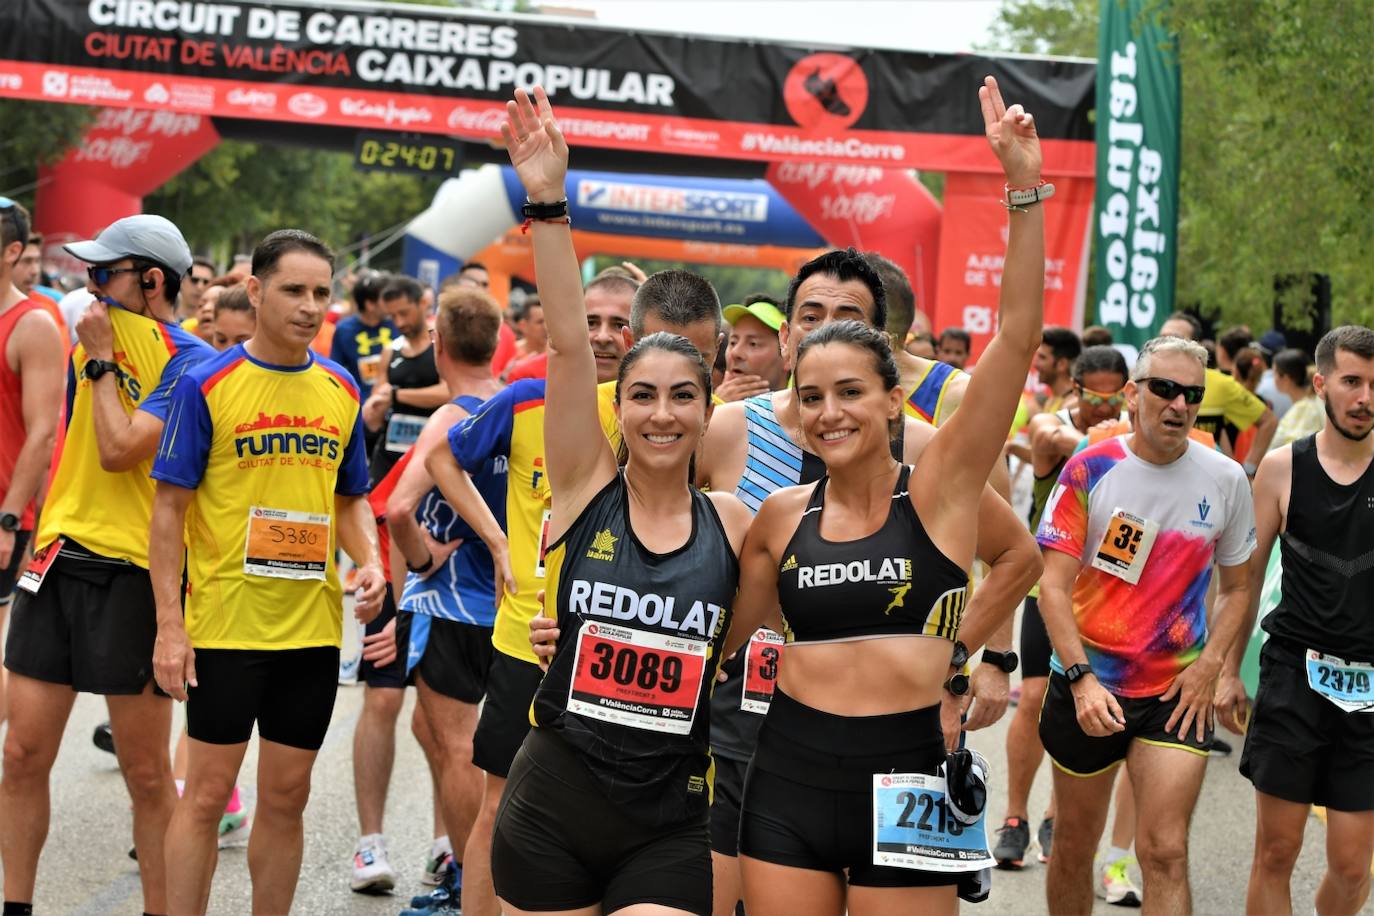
<point>1114,883</point>
<point>372,873</point>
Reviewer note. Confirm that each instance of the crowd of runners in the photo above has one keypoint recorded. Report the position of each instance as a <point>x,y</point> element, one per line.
<point>685,592</point>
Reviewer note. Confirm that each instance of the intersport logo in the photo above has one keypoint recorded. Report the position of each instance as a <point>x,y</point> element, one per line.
<point>389,112</point>
<point>307,105</point>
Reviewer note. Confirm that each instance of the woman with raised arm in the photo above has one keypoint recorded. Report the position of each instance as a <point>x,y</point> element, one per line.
<point>869,566</point>
<point>606,803</point>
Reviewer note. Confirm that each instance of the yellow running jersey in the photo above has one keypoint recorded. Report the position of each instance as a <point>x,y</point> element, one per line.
<point>266,448</point>
<point>108,512</point>
<point>926,401</point>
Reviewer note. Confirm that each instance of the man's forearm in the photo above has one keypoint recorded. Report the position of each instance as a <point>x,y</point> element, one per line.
<point>406,535</point>
<point>111,422</point>
<point>35,456</point>
<point>1056,610</point>
<point>358,531</point>
<point>166,548</point>
<point>988,619</point>
<point>435,395</point>
<point>1231,612</point>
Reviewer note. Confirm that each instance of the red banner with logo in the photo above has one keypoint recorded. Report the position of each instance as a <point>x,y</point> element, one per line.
<point>973,241</point>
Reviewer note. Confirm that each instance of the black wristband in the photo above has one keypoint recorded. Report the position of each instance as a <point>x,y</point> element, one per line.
<point>424,568</point>
<point>1003,661</point>
<point>541,211</point>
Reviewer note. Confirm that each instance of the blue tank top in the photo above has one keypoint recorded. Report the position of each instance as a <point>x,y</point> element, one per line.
<point>464,588</point>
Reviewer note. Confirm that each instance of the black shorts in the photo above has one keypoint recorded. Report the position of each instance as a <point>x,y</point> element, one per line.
<point>289,693</point>
<point>1301,747</point>
<point>91,626</point>
<point>511,685</point>
<point>394,674</point>
<point>1079,754</point>
<point>1035,642</point>
<point>808,797</point>
<point>453,657</point>
<point>559,844</point>
<point>726,796</point>
<point>10,574</point>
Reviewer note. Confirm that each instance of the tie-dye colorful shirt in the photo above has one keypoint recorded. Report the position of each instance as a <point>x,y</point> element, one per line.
<point>1120,517</point>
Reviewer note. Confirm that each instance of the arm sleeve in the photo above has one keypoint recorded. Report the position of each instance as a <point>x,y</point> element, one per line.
<point>1240,408</point>
<point>159,402</point>
<point>1064,524</point>
<point>486,432</point>
<point>1237,539</point>
<point>186,435</point>
<point>352,479</point>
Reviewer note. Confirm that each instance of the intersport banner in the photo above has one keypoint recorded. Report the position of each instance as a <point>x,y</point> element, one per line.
<point>420,69</point>
<point>1138,109</point>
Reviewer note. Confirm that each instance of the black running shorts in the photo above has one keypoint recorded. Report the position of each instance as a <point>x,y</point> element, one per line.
<point>1079,754</point>
<point>726,796</point>
<point>559,844</point>
<point>454,657</point>
<point>10,573</point>
<point>91,626</point>
<point>808,796</point>
<point>394,674</point>
<point>511,684</point>
<point>1300,746</point>
<point>1035,642</point>
<point>289,693</point>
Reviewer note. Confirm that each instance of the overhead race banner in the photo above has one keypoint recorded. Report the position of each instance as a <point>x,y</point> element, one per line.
<point>417,69</point>
<point>1138,111</point>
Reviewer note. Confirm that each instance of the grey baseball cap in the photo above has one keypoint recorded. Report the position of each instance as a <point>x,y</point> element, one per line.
<point>145,236</point>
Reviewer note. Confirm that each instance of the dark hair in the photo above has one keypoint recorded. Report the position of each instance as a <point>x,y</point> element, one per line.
<point>473,265</point>
<point>1352,338</point>
<point>469,321</point>
<point>668,343</point>
<point>1233,340</point>
<point>521,311</point>
<point>843,264</point>
<point>1192,323</point>
<point>676,297</point>
<point>1292,364</point>
<point>1248,362</point>
<point>36,238</point>
<point>14,225</point>
<point>234,299</point>
<point>761,297</point>
<point>367,287</point>
<point>171,281</point>
<point>1095,335</point>
<point>901,298</point>
<point>614,280</point>
<point>400,285</point>
<point>1100,359</point>
<point>276,245</point>
<point>1063,343</point>
<point>202,261</point>
<point>958,334</point>
<point>855,334</point>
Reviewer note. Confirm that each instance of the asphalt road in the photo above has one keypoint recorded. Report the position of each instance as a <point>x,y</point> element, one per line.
<point>85,869</point>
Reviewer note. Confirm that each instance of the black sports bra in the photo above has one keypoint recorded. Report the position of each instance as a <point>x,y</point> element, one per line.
<point>894,582</point>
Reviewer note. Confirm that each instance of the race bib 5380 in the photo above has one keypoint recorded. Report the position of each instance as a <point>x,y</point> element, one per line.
<point>637,679</point>
<point>285,544</point>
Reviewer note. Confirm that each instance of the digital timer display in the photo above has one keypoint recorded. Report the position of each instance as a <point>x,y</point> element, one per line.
<point>390,153</point>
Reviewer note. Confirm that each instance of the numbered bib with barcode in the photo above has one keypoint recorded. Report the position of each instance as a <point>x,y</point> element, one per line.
<point>402,431</point>
<point>1350,685</point>
<point>637,679</point>
<point>760,670</point>
<point>914,828</point>
<point>286,545</point>
<point>32,578</point>
<point>543,543</point>
<point>1126,546</point>
<point>370,368</point>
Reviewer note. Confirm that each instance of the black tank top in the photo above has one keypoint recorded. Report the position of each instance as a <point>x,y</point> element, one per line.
<point>1328,561</point>
<point>641,634</point>
<point>894,582</point>
<point>403,422</point>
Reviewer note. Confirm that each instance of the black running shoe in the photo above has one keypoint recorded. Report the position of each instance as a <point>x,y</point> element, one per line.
<point>1013,838</point>
<point>103,738</point>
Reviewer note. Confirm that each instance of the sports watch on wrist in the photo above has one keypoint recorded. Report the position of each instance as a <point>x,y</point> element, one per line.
<point>957,684</point>
<point>960,657</point>
<point>1076,673</point>
<point>95,368</point>
<point>1005,661</point>
<point>9,521</point>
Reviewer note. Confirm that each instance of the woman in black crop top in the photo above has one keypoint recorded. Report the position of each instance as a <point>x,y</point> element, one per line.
<point>869,566</point>
<point>605,806</point>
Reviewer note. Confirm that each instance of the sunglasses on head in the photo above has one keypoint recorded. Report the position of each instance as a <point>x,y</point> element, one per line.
<point>1092,398</point>
<point>102,275</point>
<point>21,225</point>
<point>1168,389</point>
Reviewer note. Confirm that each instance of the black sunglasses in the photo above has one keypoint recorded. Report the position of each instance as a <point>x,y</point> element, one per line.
<point>1168,389</point>
<point>102,275</point>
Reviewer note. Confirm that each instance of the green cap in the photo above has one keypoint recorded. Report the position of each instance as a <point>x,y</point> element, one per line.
<point>763,311</point>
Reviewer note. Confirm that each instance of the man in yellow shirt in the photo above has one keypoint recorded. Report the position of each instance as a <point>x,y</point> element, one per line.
<point>261,474</point>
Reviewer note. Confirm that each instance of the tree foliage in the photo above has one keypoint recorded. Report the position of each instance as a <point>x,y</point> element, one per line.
<point>1276,178</point>
<point>35,133</point>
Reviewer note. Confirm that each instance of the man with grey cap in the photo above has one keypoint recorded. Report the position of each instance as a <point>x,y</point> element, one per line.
<point>85,619</point>
<point>753,356</point>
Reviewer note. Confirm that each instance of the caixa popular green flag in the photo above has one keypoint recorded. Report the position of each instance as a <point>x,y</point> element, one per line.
<point>1138,108</point>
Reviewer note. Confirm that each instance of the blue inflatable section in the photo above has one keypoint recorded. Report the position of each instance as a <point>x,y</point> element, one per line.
<point>426,263</point>
<point>700,209</point>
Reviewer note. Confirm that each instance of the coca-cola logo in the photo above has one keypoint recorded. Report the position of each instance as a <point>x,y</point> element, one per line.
<point>252,98</point>
<point>307,105</point>
<point>388,112</point>
<point>480,120</point>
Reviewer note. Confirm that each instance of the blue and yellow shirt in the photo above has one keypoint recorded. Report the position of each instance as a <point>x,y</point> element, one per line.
<point>108,512</point>
<point>927,398</point>
<point>362,349</point>
<point>266,448</point>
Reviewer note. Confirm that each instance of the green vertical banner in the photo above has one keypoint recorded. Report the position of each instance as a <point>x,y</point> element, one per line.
<point>1138,111</point>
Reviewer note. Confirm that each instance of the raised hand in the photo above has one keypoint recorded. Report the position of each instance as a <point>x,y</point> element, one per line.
<point>536,146</point>
<point>1011,134</point>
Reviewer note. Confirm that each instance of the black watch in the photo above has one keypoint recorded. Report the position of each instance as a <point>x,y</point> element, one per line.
<point>424,567</point>
<point>95,368</point>
<point>957,684</point>
<point>9,521</point>
<point>960,657</point>
<point>1006,661</point>
<point>1076,673</point>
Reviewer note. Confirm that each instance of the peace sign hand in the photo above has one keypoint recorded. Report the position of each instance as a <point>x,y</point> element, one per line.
<point>1011,134</point>
<point>536,146</point>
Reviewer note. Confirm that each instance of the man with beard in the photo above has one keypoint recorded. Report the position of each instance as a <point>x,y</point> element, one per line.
<point>1310,738</point>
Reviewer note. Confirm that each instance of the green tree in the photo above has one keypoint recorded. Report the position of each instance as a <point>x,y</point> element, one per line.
<point>35,133</point>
